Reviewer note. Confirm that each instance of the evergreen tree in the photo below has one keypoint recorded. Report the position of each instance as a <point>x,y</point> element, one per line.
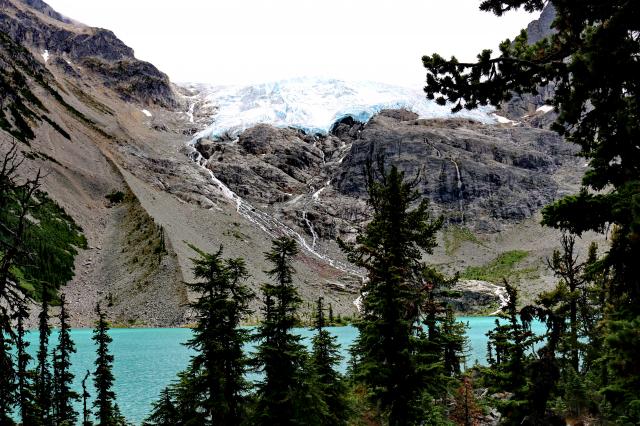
<point>43,382</point>
<point>7,374</point>
<point>324,360</point>
<point>331,319</point>
<point>592,306</point>
<point>17,203</point>
<point>466,411</point>
<point>567,295</point>
<point>64,395</point>
<point>24,376</point>
<point>573,306</point>
<point>217,371</point>
<point>165,412</point>
<point>393,358</point>
<point>453,343</point>
<point>85,395</point>
<point>591,60</point>
<point>543,370</point>
<point>103,376</point>
<point>213,389</point>
<point>285,396</point>
<point>511,342</point>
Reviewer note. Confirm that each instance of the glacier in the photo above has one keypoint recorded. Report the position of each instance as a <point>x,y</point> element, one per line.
<point>314,105</point>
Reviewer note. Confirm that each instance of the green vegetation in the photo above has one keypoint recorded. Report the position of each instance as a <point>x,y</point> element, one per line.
<point>20,107</point>
<point>90,100</point>
<point>505,266</point>
<point>32,155</point>
<point>455,236</point>
<point>213,388</point>
<point>107,411</point>
<point>324,361</point>
<point>241,236</point>
<point>49,238</point>
<point>407,352</point>
<point>63,395</point>
<point>145,244</point>
<point>589,63</point>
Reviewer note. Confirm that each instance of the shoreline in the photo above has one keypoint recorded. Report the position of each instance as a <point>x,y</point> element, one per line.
<point>191,326</point>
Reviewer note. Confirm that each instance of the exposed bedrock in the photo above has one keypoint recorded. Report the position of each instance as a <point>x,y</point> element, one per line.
<point>481,175</point>
<point>95,49</point>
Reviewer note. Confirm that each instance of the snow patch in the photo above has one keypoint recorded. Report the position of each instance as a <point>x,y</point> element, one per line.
<point>314,105</point>
<point>545,109</point>
<point>146,112</point>
<point>503,120</point>
<point>45,55</point>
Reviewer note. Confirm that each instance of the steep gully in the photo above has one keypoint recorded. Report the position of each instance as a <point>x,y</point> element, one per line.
<point>267,223</point>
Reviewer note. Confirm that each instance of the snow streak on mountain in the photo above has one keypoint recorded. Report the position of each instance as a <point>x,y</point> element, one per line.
<point>314,105</point>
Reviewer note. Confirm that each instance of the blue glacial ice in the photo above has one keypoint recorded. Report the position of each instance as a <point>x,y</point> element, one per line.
<point>314,105</point>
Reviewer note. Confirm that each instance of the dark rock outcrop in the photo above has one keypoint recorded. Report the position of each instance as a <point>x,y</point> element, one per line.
<point>266,164</point>
<point>523,107</point>
<point>41,6</point>
<point>134,80</point>
<point>97,49</point>
<point>483,176</point>
<point>476,174</point>
<point>541,27</point>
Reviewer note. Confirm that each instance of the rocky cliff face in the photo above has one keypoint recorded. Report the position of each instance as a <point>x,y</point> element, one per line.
<point>541,27</point>
<point>524,107</point>
<point>481,176</point>
<point>36,26</point>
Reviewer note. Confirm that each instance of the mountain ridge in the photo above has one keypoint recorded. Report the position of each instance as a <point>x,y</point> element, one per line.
<point>130,129</point>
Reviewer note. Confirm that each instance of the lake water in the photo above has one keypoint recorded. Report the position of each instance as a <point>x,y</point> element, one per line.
<point>148,359</point>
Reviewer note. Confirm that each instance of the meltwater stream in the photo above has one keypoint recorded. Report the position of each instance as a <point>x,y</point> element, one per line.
<point>148,359</point>
<point>313,105</point>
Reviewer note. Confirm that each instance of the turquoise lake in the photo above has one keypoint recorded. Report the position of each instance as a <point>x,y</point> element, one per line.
<point>147,359</point>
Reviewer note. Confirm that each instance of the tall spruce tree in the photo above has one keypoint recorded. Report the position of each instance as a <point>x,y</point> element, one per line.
<point>591,61</point>
<point>103,376</point>
<point>391,353</point>
<point>324,361</point>
<point>511,345</point>
<point>24,377</point>
<point>214,387</point>
<point>285,395</point>
<point>511,341</point>
<point>453,341</point>
<point>86,413</point>
<point>43,379</point>
<point>64,395</point>
<point>7,373</point>
<point>165,411</point>
<point>17,203</point>
<point>566,297</point>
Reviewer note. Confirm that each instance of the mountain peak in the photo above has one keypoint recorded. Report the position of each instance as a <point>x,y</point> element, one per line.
<point>43,7</point>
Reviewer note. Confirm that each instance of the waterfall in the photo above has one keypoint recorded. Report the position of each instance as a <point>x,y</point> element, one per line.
<point>460,197</point>
<point>502,295</point>
<point>458,176</point>
<point>267,223</point>
<point>311,229</point>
